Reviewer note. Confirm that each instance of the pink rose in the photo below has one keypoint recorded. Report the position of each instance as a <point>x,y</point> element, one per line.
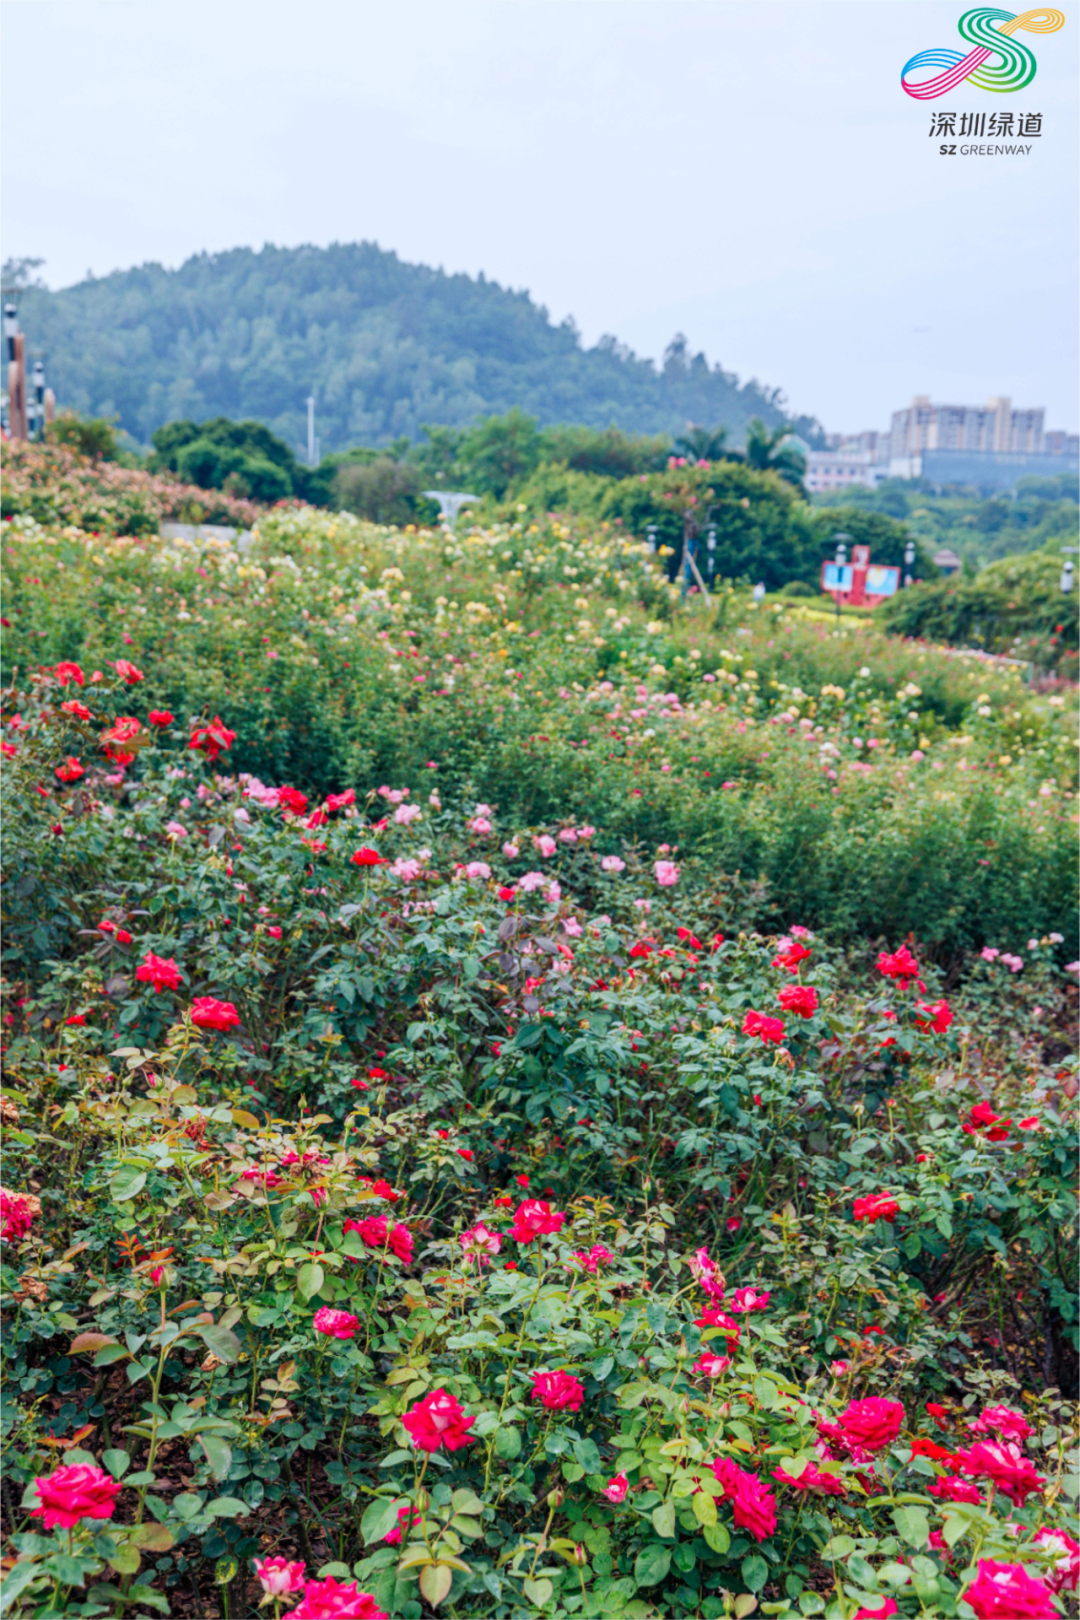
<point>1007,1592</point>
<point>76,1491</point>
<point>1065,1570</point>
<point>327,1600</point>
<point>558,1392</point>
<point>534,1219</point>
<point>749,1299</point>
<point>438,1420</point>
<point>335,1324</point>
<point>616,1488</point>
<point>667,874</point>
<point>1003,1421</point>
<point>812,1479</point>
<point>1014,1474</point>
<point>753,1503</point>
<point>277,1576</point>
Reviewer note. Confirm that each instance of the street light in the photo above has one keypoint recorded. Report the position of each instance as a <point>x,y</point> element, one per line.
<point>909,558</point>
<point>841,560</point>
<point>1068,571</point>
<point>39,396</point>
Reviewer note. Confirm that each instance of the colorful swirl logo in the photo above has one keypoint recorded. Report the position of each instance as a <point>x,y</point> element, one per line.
<point>990,32</point>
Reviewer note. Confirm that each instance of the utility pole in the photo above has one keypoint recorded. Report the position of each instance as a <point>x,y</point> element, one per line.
<point>312,441</point>
<point>16,348</point>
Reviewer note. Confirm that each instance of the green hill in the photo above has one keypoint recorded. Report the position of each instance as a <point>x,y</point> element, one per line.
<point>384,346</point>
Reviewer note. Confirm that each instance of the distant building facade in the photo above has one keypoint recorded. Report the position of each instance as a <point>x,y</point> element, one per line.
<point>851,459</point>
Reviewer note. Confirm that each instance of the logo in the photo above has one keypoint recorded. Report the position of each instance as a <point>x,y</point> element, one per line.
<point>1014,68</point>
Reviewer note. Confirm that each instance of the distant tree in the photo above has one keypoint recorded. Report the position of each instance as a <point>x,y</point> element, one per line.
<point>18,274</point>
<point>244,458</point>
<point>609,451</point>
<point>886,538</point>
<point>381,490</point>
<point>94,438</point>
<point>704,444</point>
<point>768,451</point>
<point>499,451</point>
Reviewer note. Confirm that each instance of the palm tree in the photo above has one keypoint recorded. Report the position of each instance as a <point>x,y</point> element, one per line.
<point>704,444</point>
<point>768,452</point>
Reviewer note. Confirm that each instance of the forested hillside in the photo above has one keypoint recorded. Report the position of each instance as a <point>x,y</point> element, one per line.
<point>384,346</point>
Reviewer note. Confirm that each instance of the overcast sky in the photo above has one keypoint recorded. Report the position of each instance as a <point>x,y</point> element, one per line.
<point>749,173</point>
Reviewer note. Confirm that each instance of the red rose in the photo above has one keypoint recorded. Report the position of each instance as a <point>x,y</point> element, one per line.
<point>812,1479</point>
<point>768,1029</point>
<point>438,1420</point>
<point>335,1324</point>
<point>368,857</point>
<point>868,1425</point>
<point>876,1207</point>
<point>292,799</point>
<point>69,672</point>
<point>951,1489</point>
<point>791,957</point>
<point>75,1492</point>
<point>160,717</point>
<point>901,966</point>
<point>70,770</point>
<point>209,737</point>
<point>78,710</point>
<point>1007,1592</point>
<point>714,1317</point>
<point>127,671</point>
<point>210,1014</point>
<point>557,1391</point>
<point>341,801</point>
<point>76,1018</point>
<point>753,1503</point>
<point>937,1016</point>
<point>327,1600</point>
<point>377,1233</point>
<point>799,998</point>
<point>1012,1472</point>
<point>535,1219</point>
<point>160,971</point>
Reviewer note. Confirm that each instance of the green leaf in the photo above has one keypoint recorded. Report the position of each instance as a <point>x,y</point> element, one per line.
<point>380,1517</point>
<point>754,1571</point>
<point>110,1353</point>
<point>587,1455</point>
<point>717,1537</point>
<point>652,1564</point>
<point>538,1592</point>
<point>227,1507</point>
<point>436,1581</point>
<point>117,1462</point>
<point>186,1505</point>
<point>310,1278</point>
<point>146,1594</point>
<point>16,1581</point>
<point>704,1507</point>
<point>912,1525</point>
<point>226,1570</point>
<point>127,1183</point>
<point>466,1501</point>
<point>221,1342</point>
<point>508,1443</point>
<point>663,1518</point>
<point>218,1454</point>
<point>125,1560</point>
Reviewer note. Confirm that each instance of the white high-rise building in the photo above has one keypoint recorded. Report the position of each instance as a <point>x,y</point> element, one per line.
<point>995,426</point>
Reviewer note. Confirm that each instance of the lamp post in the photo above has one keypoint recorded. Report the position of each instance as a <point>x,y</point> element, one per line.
<point>39,400</point>
<point>909,559</point>
<point>841,561</point>
<point>1068,571</point>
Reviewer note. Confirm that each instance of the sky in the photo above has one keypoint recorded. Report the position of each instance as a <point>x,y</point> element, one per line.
<point>752,175</point>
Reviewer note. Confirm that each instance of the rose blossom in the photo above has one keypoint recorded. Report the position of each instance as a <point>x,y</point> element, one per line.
<point>612,863</point>
<point>277,1576</point>
<point>667,874</point>
<point>1007,1592</point>
<point>160,971</point>
<point>876,1207</point>
<point>708,1274</point>
<point>544,845</point>
<point>767,1029</point>
<point>511,851</point>
<point>710,1366</point>
<point>1065,1572</point>
<point>210,1014</point>
<point>377,1233</point>
<point>951,1489</point>
<point>1001,1420</point>
<point>753,1503</point>
<point>557,1391</point>
<point>812,1479</point>
<point>887,1608</point>
<point>438,1420</point>
<point>597,1256</point>
<point>1014,1474</point>
<point>327,1600</point>
<point>478,1242</point>
<point>748,1299</point>
<point>867,1425</point>
<point>799,998</point>
<point>616,1488</point>
<point>17,1211</point>
<point>901,966</point>
<point>535,1219</point>
<point>76,1491</point>
<point>335,1324</point>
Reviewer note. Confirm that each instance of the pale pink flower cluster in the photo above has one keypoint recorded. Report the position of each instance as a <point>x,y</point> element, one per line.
<point>479,1243</point>
<point>531,881</point>
<point>707,1273</point>
<point>406,813</point>
<point>511,851</point>
<point>476,869</point>
<point>544,845</point>
<point>407,868</point>
<point>612,863</point>
<point>667,874</point>
<point>393,795</point>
